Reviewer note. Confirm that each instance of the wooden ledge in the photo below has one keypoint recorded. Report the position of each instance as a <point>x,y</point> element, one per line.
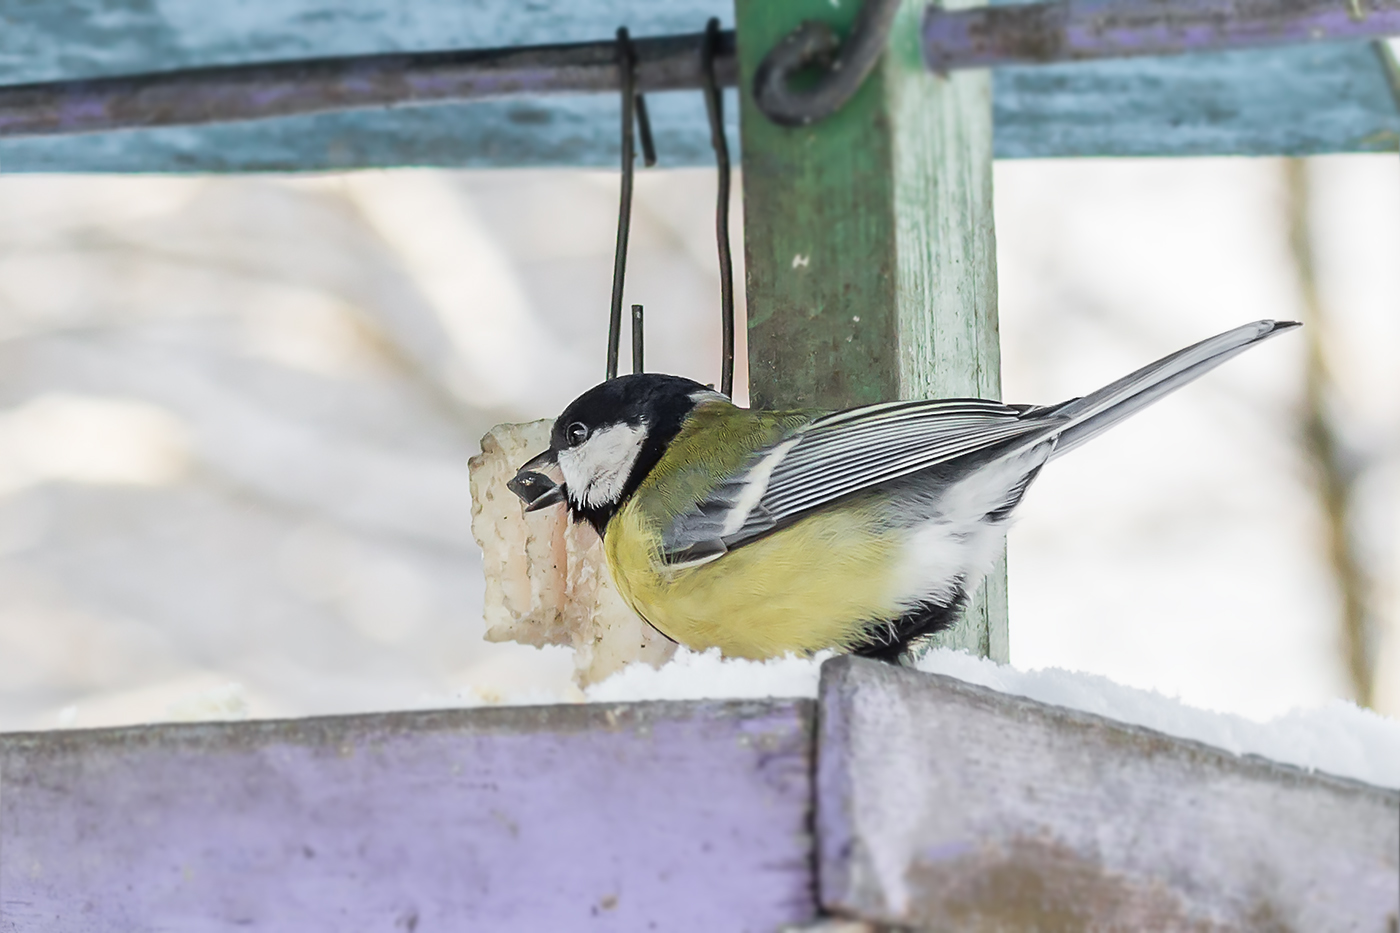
<point>666,816</point>
<point>938,805</point>
<point>950,806</point>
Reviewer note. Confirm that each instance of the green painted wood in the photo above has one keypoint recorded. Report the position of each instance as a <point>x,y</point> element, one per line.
<point>871,257</point>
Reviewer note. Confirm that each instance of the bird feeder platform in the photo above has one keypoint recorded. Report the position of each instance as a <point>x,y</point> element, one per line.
<point>897,797</point>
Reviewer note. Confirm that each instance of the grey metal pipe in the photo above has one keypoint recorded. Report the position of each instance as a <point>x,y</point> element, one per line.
<point>280,89</point>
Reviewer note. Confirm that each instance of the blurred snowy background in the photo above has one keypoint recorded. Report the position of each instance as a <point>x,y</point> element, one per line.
<point>235,415</point>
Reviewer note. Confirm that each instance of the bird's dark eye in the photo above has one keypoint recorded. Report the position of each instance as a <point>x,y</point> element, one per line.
<point>576,433</point>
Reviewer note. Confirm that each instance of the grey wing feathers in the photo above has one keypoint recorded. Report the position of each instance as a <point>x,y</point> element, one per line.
<point>701,534</point>
<point>834,456</point>
<point>1097,412</point>
<point>846,452</point>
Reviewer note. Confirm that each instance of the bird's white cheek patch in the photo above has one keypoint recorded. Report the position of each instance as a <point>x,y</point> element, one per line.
<point>596,471</point>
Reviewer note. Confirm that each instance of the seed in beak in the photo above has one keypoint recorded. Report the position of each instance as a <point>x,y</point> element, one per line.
<point>536,490</point>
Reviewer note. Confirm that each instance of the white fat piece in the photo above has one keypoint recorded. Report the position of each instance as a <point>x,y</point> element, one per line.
<point>956,546</point>
<point>596,471</point>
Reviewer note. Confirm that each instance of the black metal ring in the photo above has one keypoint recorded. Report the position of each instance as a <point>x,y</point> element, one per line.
<point>841,67</point>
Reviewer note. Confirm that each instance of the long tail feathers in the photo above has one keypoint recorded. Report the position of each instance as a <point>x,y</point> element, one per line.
<point>1097,412</point>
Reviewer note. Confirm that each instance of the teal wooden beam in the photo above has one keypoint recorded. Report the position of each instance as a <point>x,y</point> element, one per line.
<point>869,245</point>
<point>1295,101</point>
<point>979,37</point>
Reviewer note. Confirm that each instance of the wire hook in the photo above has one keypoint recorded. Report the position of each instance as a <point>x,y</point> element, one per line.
<point>634,110</point>
<point>636,338</point>
<point>842,68</point>
<point>714,108</point>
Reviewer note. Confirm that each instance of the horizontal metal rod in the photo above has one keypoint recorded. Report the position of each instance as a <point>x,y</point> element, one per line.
<point>280,89</point>
<point>1058,31</point>
<point>1081,30</point>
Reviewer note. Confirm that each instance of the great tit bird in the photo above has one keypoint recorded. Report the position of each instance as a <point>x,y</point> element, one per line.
<point>766,532</point>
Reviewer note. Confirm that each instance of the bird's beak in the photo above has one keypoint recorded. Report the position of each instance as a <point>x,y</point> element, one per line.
<point>536,489</point>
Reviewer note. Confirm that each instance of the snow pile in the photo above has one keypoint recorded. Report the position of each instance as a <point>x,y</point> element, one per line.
<point>226,702</point>
<point>1338,738</point>
<point>693,675</point>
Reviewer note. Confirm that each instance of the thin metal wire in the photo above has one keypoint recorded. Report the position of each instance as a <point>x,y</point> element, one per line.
<point>644,131</point>
<point>626,63</point>
<point>634,107</point>
<point>636,338</point>
<point>714,107</point>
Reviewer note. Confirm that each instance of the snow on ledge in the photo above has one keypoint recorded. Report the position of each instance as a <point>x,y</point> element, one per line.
<point>692,675</point>
<point>1338,738</point>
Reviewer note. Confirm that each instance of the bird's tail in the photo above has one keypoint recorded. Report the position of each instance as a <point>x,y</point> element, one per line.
<point>1099,411</point>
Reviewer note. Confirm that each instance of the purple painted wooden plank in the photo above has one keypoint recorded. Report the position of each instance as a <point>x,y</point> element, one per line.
<point>659,816</point>
<point>1079,30</point>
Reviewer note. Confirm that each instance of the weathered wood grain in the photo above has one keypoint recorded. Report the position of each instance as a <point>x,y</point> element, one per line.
<point>949,806</point>
<point>1082,30</point>
<point>1288,101</point>
<point>1297,101</point>
<point>870,254</point>
<point>91,38</point>
<point>61,39</point>
<point>984,37</point>
<point>674,816</point>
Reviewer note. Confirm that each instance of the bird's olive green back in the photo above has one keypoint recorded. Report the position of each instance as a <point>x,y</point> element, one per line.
<point>820,584</point>
<point>717,440</point>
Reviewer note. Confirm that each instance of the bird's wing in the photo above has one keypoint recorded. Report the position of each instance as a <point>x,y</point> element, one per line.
<point>835,456</point>
<point>843,453</point>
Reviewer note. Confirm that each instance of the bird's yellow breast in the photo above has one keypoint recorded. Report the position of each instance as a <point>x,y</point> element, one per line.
<point>816,584</point>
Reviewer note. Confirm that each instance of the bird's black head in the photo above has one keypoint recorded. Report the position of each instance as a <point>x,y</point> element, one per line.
<point>607,441</point>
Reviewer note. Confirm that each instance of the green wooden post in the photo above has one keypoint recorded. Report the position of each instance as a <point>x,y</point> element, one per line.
<point>871,256</point>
